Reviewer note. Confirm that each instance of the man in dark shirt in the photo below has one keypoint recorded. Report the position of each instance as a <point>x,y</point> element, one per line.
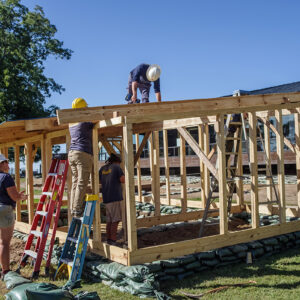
<point>111,176</point>
<point>80,159</point>
<point>8,197</point>
<point>141,78</point>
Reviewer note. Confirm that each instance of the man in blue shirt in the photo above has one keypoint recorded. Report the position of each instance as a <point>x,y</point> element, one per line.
<point>111,177</point>
<point>141,78</point>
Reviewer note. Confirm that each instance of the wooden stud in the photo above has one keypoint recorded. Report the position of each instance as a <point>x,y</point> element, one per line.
<point>17,179</point>
<point>129,179</point>
<point>43,159</point>
<point>29,181</point>
<point>69,179</point>
<point>166,161</point>
<point>206,139</point>
<point>297,136</point>
<point>202,178</point>
<point>183,186</point>
<point>267,142</point>
<point>95,187</point>
<point>138,169</point>
<point>253,165</point>
<point>156,173</point>
<point>239,184</point>
<point>280,165</point>
<point>222,175</point>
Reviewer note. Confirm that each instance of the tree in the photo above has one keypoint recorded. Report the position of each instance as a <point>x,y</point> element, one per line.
<point>26,41</point>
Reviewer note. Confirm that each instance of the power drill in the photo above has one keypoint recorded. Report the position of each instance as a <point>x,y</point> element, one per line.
<point>128,99</point>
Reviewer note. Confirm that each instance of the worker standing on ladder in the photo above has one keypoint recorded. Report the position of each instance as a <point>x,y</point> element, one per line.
<point>80,159</point>
<point>141,78</point>
<point>8,197</point>
<point>111,176</point>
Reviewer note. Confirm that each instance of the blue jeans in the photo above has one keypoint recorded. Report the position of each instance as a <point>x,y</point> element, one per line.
<point>144,88</point>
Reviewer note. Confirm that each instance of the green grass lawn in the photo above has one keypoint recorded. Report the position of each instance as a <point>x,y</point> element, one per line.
<point>277,277</point>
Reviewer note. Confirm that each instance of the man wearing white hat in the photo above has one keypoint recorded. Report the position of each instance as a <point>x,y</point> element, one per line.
<point>141,78</point>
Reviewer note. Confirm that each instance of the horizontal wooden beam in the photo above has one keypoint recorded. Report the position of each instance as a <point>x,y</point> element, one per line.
<point>157,111</point>
<point>43,124</point>
<point>117,121</point>
<point>181,217</point>
<point>172,250</point>
<point>172,124</point>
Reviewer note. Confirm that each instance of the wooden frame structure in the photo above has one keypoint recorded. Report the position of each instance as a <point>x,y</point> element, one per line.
<point>115,127</point>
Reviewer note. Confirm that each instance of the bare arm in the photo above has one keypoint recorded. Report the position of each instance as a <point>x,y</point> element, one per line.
<point>134,87</point>
<point>15,195</point>
<point>158,96</point>
<point>122,179</point>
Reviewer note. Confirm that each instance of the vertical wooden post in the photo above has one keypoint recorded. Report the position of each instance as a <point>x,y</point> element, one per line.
<point>48,153</point>
<point>183,186</point>
<point>17,180</point>
<point>156,173</point>
<point>138,169</point>
<point>297,135</point>
<point>95,187</point>
<point>29,181</point>
<point>129,179</point>
<point>167,170</point>
<point>69,179</point>
<point>123,203</point>
<point>280,165</point>
<point>206,139</point>
<point>239,185</point>
<point>267,142</point>
<point>202,177</point>
<point>151,162</point>
<point>44,159</point>
<point>222,174</point>
<point>253,164</point>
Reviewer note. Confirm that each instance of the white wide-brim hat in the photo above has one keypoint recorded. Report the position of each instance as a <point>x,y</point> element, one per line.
<point>153,72</point>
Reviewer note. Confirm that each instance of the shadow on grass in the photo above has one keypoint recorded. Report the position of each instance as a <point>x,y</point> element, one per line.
<point>240,273</point>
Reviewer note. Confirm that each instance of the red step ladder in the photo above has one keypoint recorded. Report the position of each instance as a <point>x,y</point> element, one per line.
<point>48,208</point>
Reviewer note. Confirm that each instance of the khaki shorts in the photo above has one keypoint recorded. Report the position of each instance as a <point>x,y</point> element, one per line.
<point>113,212</point>
<point>7,216</point>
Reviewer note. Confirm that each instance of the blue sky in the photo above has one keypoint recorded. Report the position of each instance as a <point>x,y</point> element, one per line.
<point>205,48</point>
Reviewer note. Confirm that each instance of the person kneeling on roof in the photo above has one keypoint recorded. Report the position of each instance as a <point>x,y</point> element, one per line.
<point>111,176</point>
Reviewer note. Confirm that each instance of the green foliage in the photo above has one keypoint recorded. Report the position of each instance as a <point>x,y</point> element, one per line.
<point>26,41</point>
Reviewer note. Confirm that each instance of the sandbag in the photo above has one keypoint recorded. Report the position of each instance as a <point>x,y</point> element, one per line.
<point>154,267</point>
<point>255,245</point>
<point>174,271</point>
<point>57,294</point>
<point>206,255</point>
<point>170,263</point>
<point>270,242</point>
<point>210,262</point>
<point>224,252</point>
<point>13,279</point>
<point>112,270</point>
<point>193,265</point>
<point>137,273</point>
<point>239,248</point>
<point>18,293</point>
<point>87,296</point>
<point>184,275</point>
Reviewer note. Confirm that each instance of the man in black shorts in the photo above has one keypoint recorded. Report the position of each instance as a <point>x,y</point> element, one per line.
<point>111,178</point>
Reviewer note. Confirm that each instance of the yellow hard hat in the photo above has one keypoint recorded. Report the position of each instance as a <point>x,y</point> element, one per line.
<point>79,103</point>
